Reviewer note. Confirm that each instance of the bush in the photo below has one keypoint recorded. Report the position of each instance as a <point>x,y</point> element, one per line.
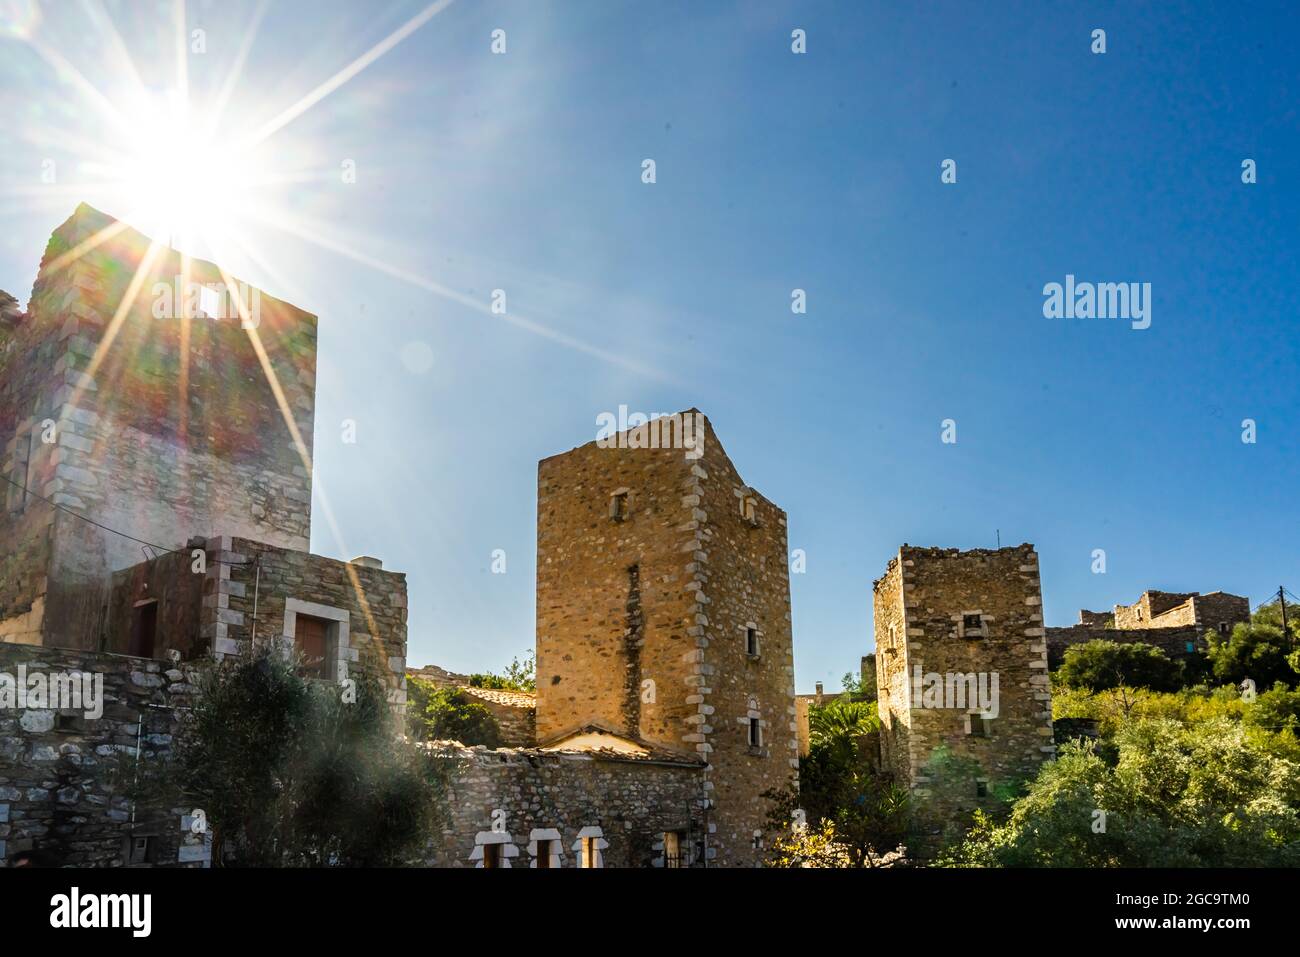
<point>1205,795</point>
<point>448,714</point>
<point>292,772</point>
<point>1101,665</point>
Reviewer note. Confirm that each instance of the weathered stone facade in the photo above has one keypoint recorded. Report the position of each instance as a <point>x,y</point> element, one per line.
<point>1176,643</point>
<point>64,776</point>
<point>663,615</point>
<point>1175,622</point>
<point>520,800</point>
<point>1161,609</point>
<point>159,427</point>
<point>953,614</point>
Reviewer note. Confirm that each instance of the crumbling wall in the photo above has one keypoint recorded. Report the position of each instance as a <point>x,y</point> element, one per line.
<point>506,796</point>
<point>1176,643</point>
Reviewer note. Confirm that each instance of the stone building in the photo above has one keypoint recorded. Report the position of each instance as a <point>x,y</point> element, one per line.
<point>1161,609</point>
<point>117,409</point>
<point>663,616</point>
<point>1175,622</point>
<point>155,447</point>
<point>961,660</point>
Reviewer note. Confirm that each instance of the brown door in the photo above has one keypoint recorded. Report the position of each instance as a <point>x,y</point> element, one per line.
<point>311,636</point>
<point>144,626</point>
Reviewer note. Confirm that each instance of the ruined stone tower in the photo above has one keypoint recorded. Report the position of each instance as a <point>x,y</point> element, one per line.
<point>125,404</point>
<point>663,615</point>
<point>948,623</point>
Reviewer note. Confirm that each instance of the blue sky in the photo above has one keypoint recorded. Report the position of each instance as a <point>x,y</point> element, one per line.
<point>775,171</point>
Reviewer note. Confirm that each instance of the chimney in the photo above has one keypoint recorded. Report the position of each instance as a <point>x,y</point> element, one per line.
<point>819,693</point>
<point>365,561</point>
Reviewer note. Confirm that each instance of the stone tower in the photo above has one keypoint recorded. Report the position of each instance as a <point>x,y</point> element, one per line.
<point>957,631</point>
<point>663,614</point>
<point>133,394</point>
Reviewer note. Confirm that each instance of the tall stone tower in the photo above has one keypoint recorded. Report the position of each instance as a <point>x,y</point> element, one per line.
<point>663,614</point>
<point>135,396</point>
<point>956,632</point>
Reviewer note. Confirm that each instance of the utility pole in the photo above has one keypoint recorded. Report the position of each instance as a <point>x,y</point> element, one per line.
<point>1286,635</point>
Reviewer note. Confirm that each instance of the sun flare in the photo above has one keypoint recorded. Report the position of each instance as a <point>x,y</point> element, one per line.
<point>182,183</point>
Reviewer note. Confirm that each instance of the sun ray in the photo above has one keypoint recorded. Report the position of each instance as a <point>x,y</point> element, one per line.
<point>348,72</point>
<point>182,51</point>
<point>316,237</point>
<point>236,70</point>
<point>96,11</point>
<point>67,71</point>
<point>282,402</point>
<point>124,308</point>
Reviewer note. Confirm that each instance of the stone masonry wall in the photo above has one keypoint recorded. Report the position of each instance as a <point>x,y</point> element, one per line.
<point>371,601</point>
<point>1173,642</point>
<point>1219,608</point>
<point>590,664</point>
<point>561,795</point>
<point>894,698</point>
<point>143,445</point>
<point>27,381</point>
<point>946,764</point>
<point>64,776</point>
<point>744,573</point>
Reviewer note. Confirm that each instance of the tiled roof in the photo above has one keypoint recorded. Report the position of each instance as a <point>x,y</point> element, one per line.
<point>511,699</point>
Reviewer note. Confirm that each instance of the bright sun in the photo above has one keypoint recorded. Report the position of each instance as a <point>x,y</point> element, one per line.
<point>181,181</point>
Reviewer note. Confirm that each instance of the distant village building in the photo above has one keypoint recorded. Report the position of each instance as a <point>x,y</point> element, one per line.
<point>1177,623</point>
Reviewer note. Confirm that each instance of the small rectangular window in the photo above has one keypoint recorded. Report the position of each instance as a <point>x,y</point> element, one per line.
<point>491,855</point>
<point>755,733</point>
<point>979,727</point>
<point>588,852</point>
<point>1224,628</point>
<point>544,854</point>
<point>981,789</point>
<point>618,506</point>
<point>751,642</point>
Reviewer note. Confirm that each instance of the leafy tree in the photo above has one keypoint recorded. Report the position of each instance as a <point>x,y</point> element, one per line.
<point>448,714</point>
<point>1204,795</point>
<point>861,686</point>
<point>1256,650</point>
<point>289,773</point>
<point>1101,665</point>
<point>855,815</point>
